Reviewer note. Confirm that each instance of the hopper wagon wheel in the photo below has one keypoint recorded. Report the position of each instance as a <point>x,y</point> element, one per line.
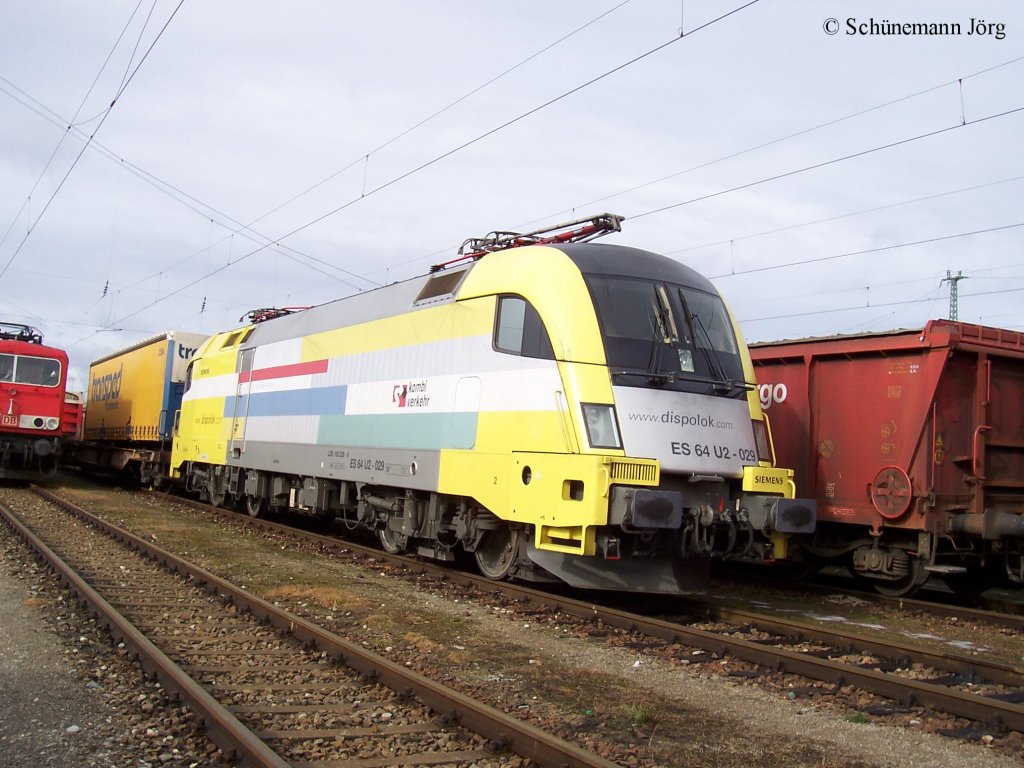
<point>496,553</point>
<point>906,585</point>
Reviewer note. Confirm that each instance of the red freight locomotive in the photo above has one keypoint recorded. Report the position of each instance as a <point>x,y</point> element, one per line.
<point>912,442</point>
<point>33,379</point>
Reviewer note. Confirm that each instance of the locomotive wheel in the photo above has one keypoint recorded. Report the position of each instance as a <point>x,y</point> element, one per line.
<point>256,506</point>
<point>496,553</point>
<point>215,497</point>
<point>392,542</point>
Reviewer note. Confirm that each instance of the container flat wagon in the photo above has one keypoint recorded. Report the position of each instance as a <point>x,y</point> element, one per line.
<point>133,396</point>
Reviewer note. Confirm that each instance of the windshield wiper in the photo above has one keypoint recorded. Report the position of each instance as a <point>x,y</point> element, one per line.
<point>658,377</point>
<point>660,335</point>
<point>722,383</point>
<point>653,377</point>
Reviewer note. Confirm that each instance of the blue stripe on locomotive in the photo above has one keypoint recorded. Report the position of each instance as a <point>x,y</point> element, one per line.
<point>288,402</point>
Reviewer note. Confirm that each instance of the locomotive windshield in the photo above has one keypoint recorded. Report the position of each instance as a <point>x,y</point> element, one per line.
<point>22,369</point>
<point>660,334</point>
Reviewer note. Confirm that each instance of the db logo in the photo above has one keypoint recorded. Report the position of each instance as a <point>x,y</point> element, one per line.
<point>772,393</point>
<point>399,393</point>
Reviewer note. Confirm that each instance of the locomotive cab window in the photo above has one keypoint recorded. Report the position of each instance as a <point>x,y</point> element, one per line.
<point>36,371</point>
<point>519,330</point>
<point>659,334</point>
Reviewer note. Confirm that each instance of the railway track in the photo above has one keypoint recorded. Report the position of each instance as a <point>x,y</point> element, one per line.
<point>760,645</point>
<point>269,687</point>
<point>971,687</point>
<point>987,609</point>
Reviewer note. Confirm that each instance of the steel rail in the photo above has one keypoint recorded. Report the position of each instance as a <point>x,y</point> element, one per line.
<point>974,667</point>
<point>832,584</point>
<point>505,731</point>
<point>223,729</point>
<point>972,706</point>
<point>998,618</point>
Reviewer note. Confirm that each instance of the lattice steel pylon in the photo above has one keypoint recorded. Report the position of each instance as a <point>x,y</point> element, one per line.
<point>953,280</point>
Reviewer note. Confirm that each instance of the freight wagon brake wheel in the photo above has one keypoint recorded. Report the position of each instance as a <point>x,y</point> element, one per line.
<point>496,553</point>
<point>891,493</point>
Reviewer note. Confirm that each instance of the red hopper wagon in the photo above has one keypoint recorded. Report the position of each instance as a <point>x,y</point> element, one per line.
<point>912,442</point>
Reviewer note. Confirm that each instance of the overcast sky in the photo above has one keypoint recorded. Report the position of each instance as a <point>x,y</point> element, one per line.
<point>271,154</point>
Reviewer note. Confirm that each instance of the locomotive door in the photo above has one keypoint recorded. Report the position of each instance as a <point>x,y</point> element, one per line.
<point>240,408</point>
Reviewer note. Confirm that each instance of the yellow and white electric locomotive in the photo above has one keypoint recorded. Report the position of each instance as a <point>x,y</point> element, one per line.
<point>560,410</point>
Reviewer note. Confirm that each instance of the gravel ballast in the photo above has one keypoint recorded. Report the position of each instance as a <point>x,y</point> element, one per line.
<point>754,721</point>
<point>68,699</point>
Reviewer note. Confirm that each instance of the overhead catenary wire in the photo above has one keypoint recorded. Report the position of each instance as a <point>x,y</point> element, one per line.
<point>730,156</point>
<point>774,300</point>
<point>787,137</point>
<point>889,316</point>
<point>365,157</point>
<point>113,102</point>
<point>438,158</point>
<point>71,123</point>
<point>187,200</point>
<point>930,296</point>
<point>834,310</point>
<point>865,251</point>
<point>343,260</point>
<point>847,215</point>
<point>826,163</point>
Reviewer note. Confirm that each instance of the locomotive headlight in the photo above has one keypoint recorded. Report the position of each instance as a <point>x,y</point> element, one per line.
<point>52,423</point>
<point>602,428</point>
<point>762,440</point>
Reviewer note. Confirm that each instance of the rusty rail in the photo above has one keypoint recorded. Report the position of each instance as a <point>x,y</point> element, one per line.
<point>223,729</point>
<point>972,706</point>
<point>509,732</point>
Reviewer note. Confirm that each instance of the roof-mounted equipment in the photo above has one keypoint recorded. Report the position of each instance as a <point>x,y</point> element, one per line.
<point>579,231</point>
<point>19,332</point>
<point>269,313</point>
